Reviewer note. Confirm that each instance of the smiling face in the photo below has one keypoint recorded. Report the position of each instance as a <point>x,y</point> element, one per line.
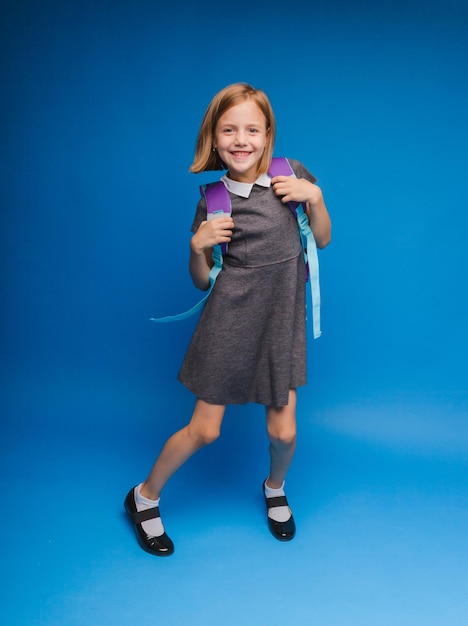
<point>240,137</point>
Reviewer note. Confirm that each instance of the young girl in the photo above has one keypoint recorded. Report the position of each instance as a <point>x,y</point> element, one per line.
<point>250,341</point>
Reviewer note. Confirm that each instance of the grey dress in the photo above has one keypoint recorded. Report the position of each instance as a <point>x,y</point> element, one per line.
<point>250,342</point>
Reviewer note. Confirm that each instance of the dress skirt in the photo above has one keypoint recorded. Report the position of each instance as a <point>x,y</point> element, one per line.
<point>250,342</point>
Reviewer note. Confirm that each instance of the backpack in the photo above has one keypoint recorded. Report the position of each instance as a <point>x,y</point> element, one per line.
<point>218,203</point>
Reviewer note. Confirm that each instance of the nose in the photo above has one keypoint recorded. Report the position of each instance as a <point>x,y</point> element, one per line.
<point>240,138</point>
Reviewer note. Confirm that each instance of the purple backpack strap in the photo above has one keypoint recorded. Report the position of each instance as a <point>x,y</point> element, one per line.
<point>217,199</point>
<point>280,166</point>
<point>218,203</point>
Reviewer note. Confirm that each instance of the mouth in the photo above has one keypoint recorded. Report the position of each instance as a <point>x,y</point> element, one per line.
<point>239,154</point>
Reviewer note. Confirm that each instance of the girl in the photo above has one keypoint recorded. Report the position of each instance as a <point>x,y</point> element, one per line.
<point>250,341</point>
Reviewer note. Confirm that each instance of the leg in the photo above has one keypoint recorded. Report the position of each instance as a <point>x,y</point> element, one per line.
<point>281,428</point>
<point>203,429</point>
<point>142,502</point>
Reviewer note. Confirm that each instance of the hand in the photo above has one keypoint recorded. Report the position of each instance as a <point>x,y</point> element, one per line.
<point>294,189</point>
<point>212,232</point>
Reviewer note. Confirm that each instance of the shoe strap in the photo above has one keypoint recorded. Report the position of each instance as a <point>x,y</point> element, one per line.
<point>277,501</point>
<point>143,516</point>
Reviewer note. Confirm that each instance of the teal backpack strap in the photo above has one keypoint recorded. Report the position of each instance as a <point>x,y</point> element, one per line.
<point>281,167</point>
<point>217,267</point>
<point>218,203</point>
<point>311,259</point>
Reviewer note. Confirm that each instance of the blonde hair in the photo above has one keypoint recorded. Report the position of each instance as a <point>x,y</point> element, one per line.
<point>208,159</point>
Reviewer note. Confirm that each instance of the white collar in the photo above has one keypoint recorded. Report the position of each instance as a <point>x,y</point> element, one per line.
<point>243,189</point>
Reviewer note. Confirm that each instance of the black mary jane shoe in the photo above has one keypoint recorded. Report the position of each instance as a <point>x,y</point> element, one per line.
<point>160,546</point>
<point>283,531</point>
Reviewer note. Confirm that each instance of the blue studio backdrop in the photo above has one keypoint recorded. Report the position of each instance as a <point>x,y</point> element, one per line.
<point>101,104</point>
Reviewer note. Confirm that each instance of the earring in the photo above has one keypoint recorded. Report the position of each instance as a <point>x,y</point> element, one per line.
<point>213,149</point>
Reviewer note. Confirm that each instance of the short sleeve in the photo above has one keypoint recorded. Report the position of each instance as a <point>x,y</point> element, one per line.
<point>301,171</point>
<point>200,215</point>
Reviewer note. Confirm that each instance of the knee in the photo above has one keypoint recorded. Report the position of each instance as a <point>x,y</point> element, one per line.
<point>205,435</point>
<point>282,435</point>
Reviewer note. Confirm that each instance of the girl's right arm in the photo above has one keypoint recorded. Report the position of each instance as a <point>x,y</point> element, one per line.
<point>209,233</point>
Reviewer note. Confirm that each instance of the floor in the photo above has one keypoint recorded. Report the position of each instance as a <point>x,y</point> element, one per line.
<point>381,523</point>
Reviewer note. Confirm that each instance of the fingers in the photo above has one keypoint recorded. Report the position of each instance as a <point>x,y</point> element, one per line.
<point>293,189</point>
<point>222,226</point>
<point>217,223</point>
<point>279,179</point>
<point>281,184</point>
<point>281,188</point>
<point>276,182</point>
<point>216,230</point>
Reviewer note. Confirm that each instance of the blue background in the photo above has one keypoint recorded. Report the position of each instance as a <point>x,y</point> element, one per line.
<point>101,105</point>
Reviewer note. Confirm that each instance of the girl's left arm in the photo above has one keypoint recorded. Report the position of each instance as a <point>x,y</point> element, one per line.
<point>319,218</point>
<point>302,190</point>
